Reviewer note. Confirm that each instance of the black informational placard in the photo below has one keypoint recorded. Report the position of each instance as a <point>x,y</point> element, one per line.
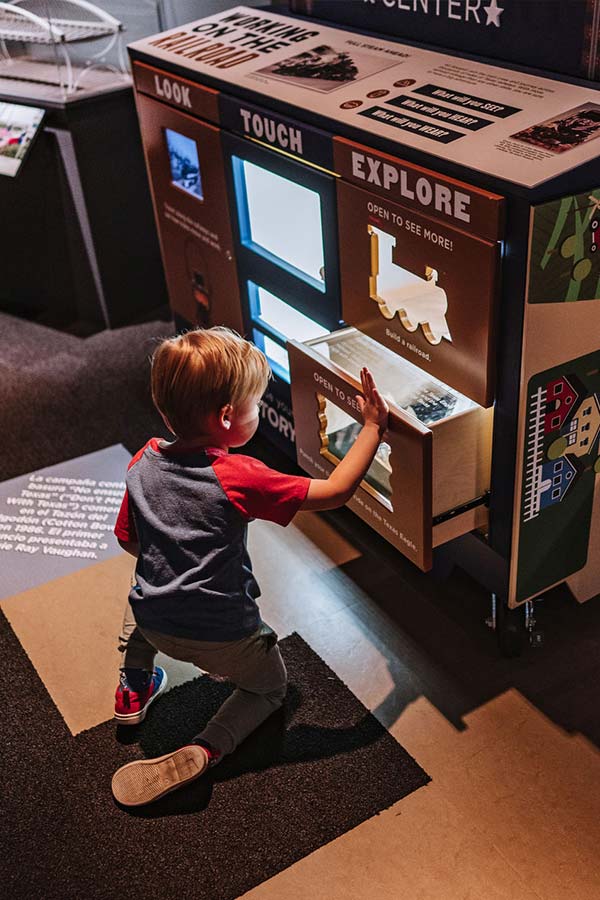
<point>19,126</point>
<point>556,35</point>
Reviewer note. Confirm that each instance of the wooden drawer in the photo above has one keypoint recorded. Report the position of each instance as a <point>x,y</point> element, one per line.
<point>429,480</point>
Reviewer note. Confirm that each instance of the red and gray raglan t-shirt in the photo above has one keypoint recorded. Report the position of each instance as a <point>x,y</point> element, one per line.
<point>189,511</point>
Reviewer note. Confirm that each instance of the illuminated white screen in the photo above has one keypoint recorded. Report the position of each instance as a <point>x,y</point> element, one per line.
<point>284,218</point>
<point>275,353</point>
<point>285,319</point>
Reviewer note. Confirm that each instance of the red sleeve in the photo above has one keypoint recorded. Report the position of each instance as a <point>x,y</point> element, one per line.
<point>258,492</point>
<point>125,527</point>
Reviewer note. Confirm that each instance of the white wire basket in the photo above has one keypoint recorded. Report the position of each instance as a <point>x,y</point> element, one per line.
<point>57,24</point>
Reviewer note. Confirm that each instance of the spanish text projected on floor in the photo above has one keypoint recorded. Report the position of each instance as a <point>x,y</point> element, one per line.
<point>60,519</point>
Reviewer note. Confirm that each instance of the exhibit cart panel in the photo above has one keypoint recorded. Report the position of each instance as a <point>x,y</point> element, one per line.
<point>417,284</point>
<point>285,226</point>
<point>411,195</point>
<point>187,177</point>
<point>256,240</point>
<point>557,511</point>
<point>512,127</point>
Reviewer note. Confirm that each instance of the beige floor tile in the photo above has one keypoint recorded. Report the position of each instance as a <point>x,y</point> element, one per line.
<point>69,628</point>
<point>428,735</point>
<point>423,848</point>
<point>321,541</point>
<point>524,794</point>
<point>535,794</point>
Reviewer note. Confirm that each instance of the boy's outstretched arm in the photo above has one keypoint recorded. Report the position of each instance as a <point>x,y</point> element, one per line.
<point>329,493</point>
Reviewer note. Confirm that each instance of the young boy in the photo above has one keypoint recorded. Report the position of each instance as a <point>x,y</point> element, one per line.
<point>184,517</point>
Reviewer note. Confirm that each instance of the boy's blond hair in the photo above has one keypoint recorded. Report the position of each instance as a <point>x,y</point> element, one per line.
<point>202,371</point>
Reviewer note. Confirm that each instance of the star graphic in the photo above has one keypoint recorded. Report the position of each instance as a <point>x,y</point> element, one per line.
<point>493,13</point>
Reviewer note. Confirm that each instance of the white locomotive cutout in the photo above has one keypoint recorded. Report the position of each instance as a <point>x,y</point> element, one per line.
<point>418,301</point>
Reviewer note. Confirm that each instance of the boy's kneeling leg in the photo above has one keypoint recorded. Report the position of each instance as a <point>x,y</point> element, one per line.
<point>261,689</point>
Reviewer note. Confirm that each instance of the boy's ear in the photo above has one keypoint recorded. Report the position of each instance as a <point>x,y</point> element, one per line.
<point>225,416</point>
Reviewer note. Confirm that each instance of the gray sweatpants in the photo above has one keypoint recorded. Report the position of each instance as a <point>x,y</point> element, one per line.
<point>253,664</point>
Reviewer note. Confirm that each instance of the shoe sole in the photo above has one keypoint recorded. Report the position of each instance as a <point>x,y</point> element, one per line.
<point>146,780</point>
<point>138,717</point>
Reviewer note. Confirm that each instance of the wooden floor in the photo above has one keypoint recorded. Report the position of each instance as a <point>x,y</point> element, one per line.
<point>513,809</point>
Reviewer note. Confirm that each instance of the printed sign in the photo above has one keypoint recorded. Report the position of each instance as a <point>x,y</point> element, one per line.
<point>327,418</point>
<point>437,111</point>
<point>279,132</point>
<point>414,126</point>
<point>187,177</point>
<point>518,127</point>
<point>420,288</point>
<point>18,128</point>
<point>560,467</point>
<point>522,31</point>
<point>176,91</point>
<point>277,418</point>
<point>468,101</point>
<point>455,202</point>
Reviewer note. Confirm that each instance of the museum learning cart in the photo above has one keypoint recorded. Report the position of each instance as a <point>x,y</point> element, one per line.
<point>346,199</point>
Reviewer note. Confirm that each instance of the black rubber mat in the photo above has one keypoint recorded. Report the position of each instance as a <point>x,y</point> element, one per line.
<point>316,769</point>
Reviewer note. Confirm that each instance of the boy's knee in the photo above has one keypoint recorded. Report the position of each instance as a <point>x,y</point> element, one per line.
<point>277,696</point>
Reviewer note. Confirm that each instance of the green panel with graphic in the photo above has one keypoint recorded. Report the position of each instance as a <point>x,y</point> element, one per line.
<point>565,250</point>
<point>560,464</point>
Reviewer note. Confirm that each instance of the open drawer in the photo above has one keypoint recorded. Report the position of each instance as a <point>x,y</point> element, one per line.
<point>429,480</point>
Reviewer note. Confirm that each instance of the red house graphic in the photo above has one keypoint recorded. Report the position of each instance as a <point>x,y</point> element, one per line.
<point>561,397</point>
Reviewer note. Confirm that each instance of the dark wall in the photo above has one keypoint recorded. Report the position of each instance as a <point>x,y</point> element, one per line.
<point>46,271</point>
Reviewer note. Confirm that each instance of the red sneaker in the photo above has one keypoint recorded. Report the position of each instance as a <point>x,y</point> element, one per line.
<point>131,706</point>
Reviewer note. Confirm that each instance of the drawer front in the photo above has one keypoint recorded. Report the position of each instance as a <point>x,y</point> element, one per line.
<point>420,287</point>
<point>318,385</point>
<point>427,484</point>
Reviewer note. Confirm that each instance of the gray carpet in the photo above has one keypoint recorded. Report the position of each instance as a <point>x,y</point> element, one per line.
<point>315,769</point>
<point>63,396</point>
